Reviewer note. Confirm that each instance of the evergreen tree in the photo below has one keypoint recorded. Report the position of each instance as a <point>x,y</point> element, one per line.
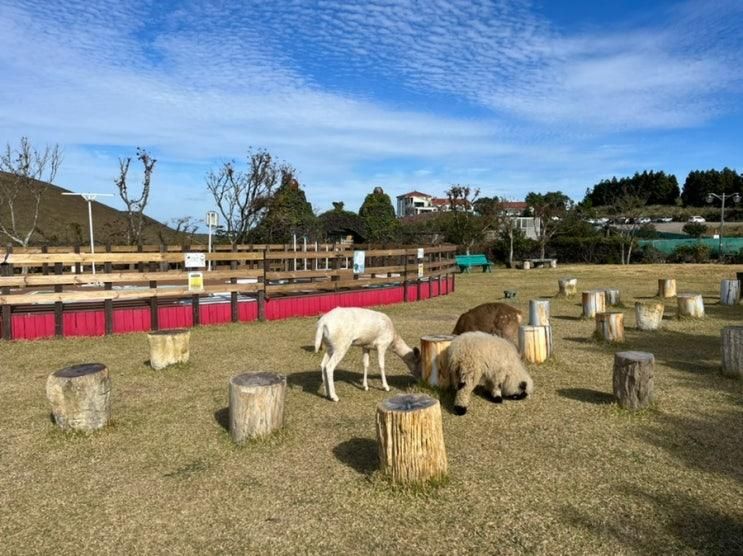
<point>699,184</point>
<point>379,218</point>
<point>289,212</point>
<point>338,223</point>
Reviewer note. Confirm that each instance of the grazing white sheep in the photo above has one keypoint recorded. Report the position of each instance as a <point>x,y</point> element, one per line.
<point>477,357</point>
<point>344,327</point>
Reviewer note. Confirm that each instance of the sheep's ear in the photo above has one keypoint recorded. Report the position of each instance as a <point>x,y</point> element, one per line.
<point>522,385</point>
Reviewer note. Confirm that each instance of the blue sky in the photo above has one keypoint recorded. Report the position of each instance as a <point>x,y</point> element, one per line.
<point>509,96</point>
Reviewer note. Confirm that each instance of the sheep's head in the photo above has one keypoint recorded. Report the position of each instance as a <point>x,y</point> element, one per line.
<point>413,360</point>
<point>517,386</point>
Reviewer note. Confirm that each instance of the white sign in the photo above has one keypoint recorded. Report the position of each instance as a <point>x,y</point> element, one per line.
<point>212,218</point>
<point>420,270</point>
<point>359,262</point>
<point>420,252</point>
<point>196,281</point>
<point>194,260</point>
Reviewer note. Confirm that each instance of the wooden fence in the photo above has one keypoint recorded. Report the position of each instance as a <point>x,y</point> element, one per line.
<point>46,280</point>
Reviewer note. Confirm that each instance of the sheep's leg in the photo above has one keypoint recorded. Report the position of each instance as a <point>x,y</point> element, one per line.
<point>365,359</point>
<point>335,358</point>
<point>462,398</point>
<point>380,354</point>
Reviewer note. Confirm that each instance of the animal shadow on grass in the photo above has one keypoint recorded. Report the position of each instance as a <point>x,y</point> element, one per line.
<point>360,454</point>
<point>580,339</point>
<point>222,417</point>
<point>311,381</point>
<point>565,317</point>
<point>586,395</point>
<point>309,349</point>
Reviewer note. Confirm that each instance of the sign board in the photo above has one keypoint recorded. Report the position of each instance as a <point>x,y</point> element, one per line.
<point>196,281</point>
<point>194,260</point>
<point>212,219</point>
<point>420,252</point>
<point>359,262</point>
<point>420,270</point>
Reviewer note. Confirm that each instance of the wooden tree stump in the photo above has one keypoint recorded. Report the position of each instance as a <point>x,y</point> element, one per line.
<point>594,301</point>
<point>553,263</point>
<point>256,405</point>
<point>690,305</point>
<point>539,312</point>
<point>80,397</point>
<point>434,360</point>
<point>633,378</point>
<point>613,297</point>
<point>411,439</point>
<point>535,343</point>
<point>729,292</point>
<point>649,314</point>
<point>666,287</point>
<point>568,287</point>
<point>610,326</point>
<point>526,265</point>
<point>169,347</point>
<point>732,351</point>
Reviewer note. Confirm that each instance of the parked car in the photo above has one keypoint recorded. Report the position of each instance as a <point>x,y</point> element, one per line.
<point>643,220</point>
<point>697,219</point>
<point>664,219</point>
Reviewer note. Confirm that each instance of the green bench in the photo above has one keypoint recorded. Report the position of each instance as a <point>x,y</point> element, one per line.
<point>465,262</point>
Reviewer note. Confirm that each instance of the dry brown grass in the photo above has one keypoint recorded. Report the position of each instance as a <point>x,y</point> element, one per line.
<point>564,472</point>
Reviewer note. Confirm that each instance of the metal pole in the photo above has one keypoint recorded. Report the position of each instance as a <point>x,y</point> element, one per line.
<point>294,244</point>
<point>722,226</point>
<point>304,250</point>
<point>90,226</point>
<point>209,249</point>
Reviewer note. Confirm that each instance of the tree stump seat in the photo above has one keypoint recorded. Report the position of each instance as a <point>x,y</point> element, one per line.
<point>649,314</point>
<point>666,287</point>
<point>535,343</point>
<point>434,360</point>
<point>256,405</point>
<point>633,379</point>
<point>80,397</point>
<point>690,305</point>
<point>610,326</point>
<point>729,292</point>
<point>410,439</point>
<point>594,301</point>
<point>539,312</point>
<point>169,347</point>
<point>567,287</point>
<point>732,351</point>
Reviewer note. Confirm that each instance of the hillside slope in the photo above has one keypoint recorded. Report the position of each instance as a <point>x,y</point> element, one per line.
<point>63,220</point>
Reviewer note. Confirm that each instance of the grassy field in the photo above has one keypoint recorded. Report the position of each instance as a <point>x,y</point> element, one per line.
<point>565,472</point>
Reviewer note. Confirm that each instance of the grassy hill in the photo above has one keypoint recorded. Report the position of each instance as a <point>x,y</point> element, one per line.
<point>63,220</point>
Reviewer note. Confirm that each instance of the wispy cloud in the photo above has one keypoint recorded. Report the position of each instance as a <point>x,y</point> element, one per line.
<point>402,93</point>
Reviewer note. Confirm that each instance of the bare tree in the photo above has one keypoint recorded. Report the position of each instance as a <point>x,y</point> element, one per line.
<point>243,197</point>
<point>549,207</point>
<point>135,206</point>
<point>27,171</point>
<point>628,208</point>
<point>179,229</point>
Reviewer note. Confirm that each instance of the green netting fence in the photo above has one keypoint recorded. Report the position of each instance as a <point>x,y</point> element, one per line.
<point>667,246</point>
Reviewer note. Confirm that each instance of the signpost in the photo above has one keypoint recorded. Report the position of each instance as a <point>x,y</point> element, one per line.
<point>212,221</point>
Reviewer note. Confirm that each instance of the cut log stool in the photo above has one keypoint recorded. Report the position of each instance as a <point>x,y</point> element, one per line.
<point>690,305</point>
<point>594,301</point>
<point>610,326</point>
<point>539,312</point>
<point>613,297</point>
<point>633,378</point>
<point>568,287</point>
<point>434,363</point>
<point>526,265</point>
<point>666,287</point>
<point>169,347</point>
<point>535,343</point>
<point>410,439</point>
<point>729,292</point>
<point>256,405</point>
<point>649,314</point>
<point>80,397</point>
<point>732,351</point>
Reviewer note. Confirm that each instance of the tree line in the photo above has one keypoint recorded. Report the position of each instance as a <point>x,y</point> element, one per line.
<point>659,188</point>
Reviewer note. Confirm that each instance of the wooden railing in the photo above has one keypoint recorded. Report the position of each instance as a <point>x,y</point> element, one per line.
<point>47,279</point>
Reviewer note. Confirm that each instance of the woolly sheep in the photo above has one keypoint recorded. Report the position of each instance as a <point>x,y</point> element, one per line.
<point>494,318</point>
<point>344,327</point>
<point>477,357</point>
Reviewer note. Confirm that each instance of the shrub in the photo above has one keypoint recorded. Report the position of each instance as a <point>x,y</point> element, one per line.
<point>694,229</point>
<point>694,253</point>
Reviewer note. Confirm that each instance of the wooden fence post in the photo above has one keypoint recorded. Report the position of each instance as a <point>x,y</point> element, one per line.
<point>234,313</point>
<point>154,315</point>
<point>7,270</point>
<point>58,305</point>
<point>405,276</point>
<point>262,292</point>
<point>108,304</point>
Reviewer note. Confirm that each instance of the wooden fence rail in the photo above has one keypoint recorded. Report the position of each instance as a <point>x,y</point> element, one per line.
<point>60,281</point>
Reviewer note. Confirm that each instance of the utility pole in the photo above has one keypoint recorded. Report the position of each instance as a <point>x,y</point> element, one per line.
<point>722,196</point>
<point>90,197</point>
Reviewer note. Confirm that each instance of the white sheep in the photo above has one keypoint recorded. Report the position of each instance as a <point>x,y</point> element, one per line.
<point>344,327</point>
<point>477,357</point>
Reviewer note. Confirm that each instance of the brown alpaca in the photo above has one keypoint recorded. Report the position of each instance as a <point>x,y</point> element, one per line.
<point>494,318</point>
